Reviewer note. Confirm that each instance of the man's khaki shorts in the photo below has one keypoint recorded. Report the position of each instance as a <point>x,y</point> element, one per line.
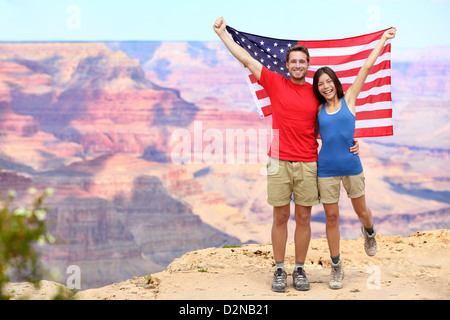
<point>285,178</point>
<point>330,187</point>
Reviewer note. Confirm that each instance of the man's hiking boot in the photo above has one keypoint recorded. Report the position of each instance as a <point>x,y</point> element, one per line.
<point>279,280</point>
<point>300,281</point>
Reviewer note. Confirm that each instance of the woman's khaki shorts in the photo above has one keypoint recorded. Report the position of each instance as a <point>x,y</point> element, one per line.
<point>285,178</point>
<point>330,187</point>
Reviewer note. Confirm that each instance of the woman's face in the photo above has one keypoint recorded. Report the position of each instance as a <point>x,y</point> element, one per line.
<point>326,87</point>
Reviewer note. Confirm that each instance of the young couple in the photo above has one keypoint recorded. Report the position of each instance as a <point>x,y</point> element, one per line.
<point>299,111</point>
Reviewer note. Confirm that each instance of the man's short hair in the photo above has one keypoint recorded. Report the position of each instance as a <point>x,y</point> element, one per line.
<point>300,48</point>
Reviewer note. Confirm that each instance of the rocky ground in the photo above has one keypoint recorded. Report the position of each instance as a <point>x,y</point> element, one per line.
<point>414,267</point>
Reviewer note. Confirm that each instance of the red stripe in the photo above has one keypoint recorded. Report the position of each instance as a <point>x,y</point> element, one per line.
<point>374,132</point>
<point>385,65</point>
<point>375,114</point>
<point>373,99</point>
<point>261,94</point>
<point>267,110</point>
<point>346,42</point>
<point>376,83</point>
<point>337,60</point>
<point>252,78</point>
<point>369,85</point>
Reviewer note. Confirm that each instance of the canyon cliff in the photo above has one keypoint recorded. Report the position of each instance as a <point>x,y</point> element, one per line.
<point>99,123</point>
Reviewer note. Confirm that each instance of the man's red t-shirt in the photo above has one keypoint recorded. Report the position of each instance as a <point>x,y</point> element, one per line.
<point>294,111</point>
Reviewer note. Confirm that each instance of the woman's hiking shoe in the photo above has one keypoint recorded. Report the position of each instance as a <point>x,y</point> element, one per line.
<point>337,275</point>
<point>370,243</point>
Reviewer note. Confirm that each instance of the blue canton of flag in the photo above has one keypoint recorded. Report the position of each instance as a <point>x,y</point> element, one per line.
<point>270,52</point>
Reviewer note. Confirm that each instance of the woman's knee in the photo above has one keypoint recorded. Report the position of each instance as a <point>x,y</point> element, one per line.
<point>332,215</point>
<point>364,213</point>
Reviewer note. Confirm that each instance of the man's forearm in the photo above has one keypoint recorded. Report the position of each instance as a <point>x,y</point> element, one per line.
<point>236,50</point>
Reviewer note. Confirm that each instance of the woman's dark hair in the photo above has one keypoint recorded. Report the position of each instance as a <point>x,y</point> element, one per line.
<point>332,74</point>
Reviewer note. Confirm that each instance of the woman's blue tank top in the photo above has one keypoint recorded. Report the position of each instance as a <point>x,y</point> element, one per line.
<point>337,131</point>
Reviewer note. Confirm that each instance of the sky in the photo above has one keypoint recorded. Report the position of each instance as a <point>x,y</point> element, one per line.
<point>420,23</point>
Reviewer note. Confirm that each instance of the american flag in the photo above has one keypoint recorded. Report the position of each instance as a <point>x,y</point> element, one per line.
<point>345,57</point>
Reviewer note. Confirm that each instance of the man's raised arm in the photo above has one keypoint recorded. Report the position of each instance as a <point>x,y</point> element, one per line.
<point>237,51</point>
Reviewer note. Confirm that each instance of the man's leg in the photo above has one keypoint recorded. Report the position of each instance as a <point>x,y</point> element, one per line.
<point>302,237</point>
<point>280,231</point>
<point>279,237</point>
<point>302,234</point>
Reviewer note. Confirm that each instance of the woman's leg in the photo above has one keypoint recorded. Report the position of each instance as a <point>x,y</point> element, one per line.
<point>364,213</point>
<point>333,238</point>
<point>365,216</point>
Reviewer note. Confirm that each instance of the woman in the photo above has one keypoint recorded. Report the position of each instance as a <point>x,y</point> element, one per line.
<point>336,120</point>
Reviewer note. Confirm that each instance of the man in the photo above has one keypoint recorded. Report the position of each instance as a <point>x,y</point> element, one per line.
<point>292,165</point>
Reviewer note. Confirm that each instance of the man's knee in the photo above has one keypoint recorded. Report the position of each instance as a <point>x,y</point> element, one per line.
<point>302,215</point>
<point>281,215</point>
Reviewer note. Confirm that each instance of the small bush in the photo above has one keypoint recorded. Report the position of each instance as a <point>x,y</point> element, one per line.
<point>21,229</point>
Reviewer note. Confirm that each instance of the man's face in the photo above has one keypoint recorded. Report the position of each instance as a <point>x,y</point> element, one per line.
<point>297,65</point>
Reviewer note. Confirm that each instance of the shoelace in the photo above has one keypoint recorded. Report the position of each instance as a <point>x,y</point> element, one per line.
<point>279,276</point>
<point>300,273</point>
<point>334,273</point>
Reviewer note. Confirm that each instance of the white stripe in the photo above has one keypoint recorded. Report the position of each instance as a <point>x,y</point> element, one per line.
<point>264,102</point>
<point>371,77</point>
<point>252,86</point>
<point>255,86</point>
<point>374,91</point>
<point>384,122</point>
<point>353,64</point>
<point>382,105</point>
<point>342,51</point>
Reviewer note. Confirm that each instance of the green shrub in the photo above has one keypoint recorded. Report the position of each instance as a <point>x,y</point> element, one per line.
<point>21,230</point>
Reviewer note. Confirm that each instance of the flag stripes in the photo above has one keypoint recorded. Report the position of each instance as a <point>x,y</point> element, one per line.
<point>345,57</point>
